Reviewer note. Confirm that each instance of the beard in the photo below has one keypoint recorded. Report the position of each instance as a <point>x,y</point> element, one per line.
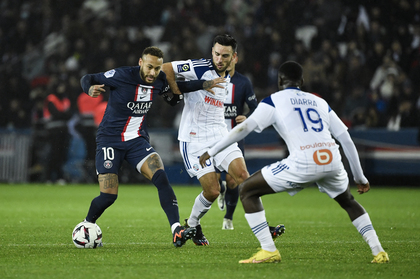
<point>144,77</point>
<point>224,69</point>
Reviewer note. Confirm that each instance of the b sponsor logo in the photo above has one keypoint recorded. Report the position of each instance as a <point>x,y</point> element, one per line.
<point>323,157</point>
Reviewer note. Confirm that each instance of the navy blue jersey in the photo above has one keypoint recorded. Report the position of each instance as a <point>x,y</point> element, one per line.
<point>129,101</point>
<point>239,92</point>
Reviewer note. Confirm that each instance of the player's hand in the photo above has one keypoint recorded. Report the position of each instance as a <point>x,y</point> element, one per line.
<point>209,84</point>
<point>363,188</point>
<point>240,119</point>
<point>203,159</point>
<point>96,90</point>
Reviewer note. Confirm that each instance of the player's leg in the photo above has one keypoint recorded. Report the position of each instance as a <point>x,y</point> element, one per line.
<point>250,192</point>
<point>152,168</point>
<point>361,220</point>
<point>231,200</point>
<point>237,169</point>
<point>202,204</point>
<point>336,186</point>
<point>108,161</point>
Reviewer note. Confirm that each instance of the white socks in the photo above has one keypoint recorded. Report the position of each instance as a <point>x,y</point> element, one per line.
<point>259,226</point>
<point>200,207</point>
<point>174,226</point>
<point>365,228</point>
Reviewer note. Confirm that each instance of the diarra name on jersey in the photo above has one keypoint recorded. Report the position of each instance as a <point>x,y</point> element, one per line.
<point>303,101</point>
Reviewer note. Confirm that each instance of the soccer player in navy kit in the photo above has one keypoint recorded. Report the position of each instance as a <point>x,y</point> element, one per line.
<point>122,134</point>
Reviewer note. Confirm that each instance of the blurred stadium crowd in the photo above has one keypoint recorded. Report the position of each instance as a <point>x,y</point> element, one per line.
<point>363,57</point>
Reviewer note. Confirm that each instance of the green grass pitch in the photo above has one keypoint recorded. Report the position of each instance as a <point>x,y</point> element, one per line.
<point>36,222</point>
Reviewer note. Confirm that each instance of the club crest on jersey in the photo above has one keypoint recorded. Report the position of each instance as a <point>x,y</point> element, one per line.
<point>109,73</point>
<point>184,68</point>
<point>108,164</point>
<point>196,167</point>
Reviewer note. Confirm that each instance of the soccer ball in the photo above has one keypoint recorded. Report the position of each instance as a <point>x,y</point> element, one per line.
<point>87,235</point>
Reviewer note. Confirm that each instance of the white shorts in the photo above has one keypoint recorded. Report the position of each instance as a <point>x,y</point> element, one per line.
<point>191,152</point>
<point>282,179</point>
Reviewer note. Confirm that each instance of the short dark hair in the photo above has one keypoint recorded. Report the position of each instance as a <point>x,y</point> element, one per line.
<point>291,70</point>
<point>226,40</point>
<point>153,50</point>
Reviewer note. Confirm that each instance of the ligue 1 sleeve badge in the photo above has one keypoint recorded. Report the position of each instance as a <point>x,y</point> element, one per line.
<point>108,164</point>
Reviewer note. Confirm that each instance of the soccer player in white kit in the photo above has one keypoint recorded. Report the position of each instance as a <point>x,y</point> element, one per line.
<point>203,125</point>
<point>307,124</point>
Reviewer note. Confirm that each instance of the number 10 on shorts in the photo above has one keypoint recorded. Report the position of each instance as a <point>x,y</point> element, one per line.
<point>323,157</point>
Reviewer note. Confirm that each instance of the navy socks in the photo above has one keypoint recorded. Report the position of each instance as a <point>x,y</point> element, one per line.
<point>167,197</point>
<point>231,199</point>
<point>98,206</point>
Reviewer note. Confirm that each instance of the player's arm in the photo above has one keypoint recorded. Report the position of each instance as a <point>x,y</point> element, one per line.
<point>258,121</point>
<point>190,86</point>
<point>91,86</point>
<point>250,100</point>
<point>170,76</point>
<point>235,135</point>
<point>343,136</point>
<point>194,85</point>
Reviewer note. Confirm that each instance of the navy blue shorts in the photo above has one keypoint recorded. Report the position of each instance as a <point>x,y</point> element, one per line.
<point>110,155</point>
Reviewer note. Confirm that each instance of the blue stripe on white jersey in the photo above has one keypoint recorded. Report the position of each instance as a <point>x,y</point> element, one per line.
<point>201,66</point>
<point>268,101</point>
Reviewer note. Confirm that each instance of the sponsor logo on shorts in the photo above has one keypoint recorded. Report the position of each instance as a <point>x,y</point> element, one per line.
<point>108,164</point>
<point>196,167</point>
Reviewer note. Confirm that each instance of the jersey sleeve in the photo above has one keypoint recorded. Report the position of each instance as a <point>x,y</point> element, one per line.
<point>184,70</point>
<point>250,98</point>
<point>264,114</point>
<point>189,86</point>
<point>109,78</point>
<point>337,127</point>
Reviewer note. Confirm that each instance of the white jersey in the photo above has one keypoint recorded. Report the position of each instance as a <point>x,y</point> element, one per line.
<point>202,118</point>
<point>303,121</point>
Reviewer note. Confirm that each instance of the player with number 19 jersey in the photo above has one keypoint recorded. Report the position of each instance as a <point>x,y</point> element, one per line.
<point>303,121</point>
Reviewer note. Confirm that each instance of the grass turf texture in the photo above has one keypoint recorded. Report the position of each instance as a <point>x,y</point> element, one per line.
<point>320,241</point>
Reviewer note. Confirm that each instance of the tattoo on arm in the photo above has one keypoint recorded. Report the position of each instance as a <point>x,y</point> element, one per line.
<point>154,163</point>
<point>207,84</point>
<point>108,180</point>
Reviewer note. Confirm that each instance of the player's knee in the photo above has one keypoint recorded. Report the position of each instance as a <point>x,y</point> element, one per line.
<point>211,193</point>
<point>345,200</point>
<point>244,192</point>
<point>241,176</point>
